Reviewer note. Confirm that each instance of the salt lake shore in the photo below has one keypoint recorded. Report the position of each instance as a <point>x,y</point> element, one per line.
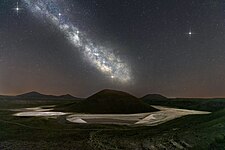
<point>146,119</point>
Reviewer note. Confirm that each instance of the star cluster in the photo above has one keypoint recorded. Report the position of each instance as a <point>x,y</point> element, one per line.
<point>99,56</point>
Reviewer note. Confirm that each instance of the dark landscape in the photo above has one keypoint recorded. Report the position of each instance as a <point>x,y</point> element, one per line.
<point>188,132</point>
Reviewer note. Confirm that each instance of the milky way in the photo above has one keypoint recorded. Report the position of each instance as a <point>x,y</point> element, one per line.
<point>100,57</point>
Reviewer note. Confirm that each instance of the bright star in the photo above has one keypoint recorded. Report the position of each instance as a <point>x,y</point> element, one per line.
<point>17,8</point>
<point>190,33</point>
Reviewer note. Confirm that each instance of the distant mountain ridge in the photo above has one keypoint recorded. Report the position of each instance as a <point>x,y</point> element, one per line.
<point>105,97</point>
<point>36,95</point>
<point>110,102</point>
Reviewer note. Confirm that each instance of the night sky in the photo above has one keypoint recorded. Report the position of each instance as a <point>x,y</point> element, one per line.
<point>172,47</point>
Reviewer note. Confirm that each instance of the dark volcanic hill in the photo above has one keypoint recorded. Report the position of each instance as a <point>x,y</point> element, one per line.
<point>33,95</point>
<point>154,97</point>
<point>111,102</point>
<point>67,96</point>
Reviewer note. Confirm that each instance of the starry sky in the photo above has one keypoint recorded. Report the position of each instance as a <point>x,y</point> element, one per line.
<point>175,48</point>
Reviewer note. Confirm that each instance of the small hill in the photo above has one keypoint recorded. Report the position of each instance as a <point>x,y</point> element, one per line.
<point>67,96</point>
<point>33,95</point>
<point>109,102</point>
<point>154,97</point>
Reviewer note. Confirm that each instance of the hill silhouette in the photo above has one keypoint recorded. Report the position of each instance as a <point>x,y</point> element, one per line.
<point>154,97</point>
<point>39,96</point>
<point>109,101</point>
<point>33,94</point>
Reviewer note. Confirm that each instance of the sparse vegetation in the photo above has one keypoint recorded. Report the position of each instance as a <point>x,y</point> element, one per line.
<point>189,132</point>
